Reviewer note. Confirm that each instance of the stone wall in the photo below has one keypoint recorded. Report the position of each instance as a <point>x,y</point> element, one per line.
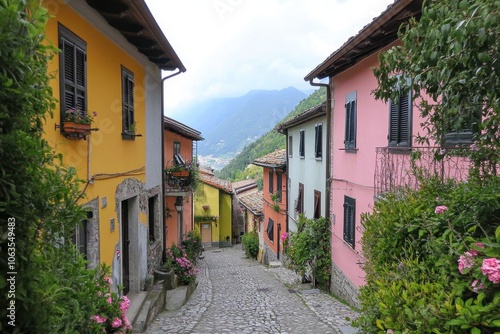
<point>268,255</point>
<point>342,287</point>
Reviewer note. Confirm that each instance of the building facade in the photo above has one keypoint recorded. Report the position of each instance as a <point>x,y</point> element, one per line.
<point>120,95</point>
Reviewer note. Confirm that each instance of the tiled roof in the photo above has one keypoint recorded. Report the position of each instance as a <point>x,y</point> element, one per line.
<point>243,185</point>
<point>214,181</point>
<point>377,34</point>
<point>172,125</point>
<point>274,159</point>
<point>253,202</point>
<point>305,116</point>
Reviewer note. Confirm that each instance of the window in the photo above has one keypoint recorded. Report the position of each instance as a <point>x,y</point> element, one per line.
<point>461,129</point>
<point>270,229</point>
<point>80,237</point>
<point>400,120</point>
<point>302,144</point>
<point>271,182</point>
<point>178,160</point>
<point>152,217</point>
<point>318,141</point>
<point>349,220</point>
<point>350,121</point>
<point>299,205</point>
<point>128,121</point>
<point>290,146</point>
<point>279,186</point>
<point>72,71</point>
<point>317,204</point>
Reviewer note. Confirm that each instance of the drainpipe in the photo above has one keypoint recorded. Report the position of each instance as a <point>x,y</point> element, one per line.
<point>328,140</point>
<point>162,206</point>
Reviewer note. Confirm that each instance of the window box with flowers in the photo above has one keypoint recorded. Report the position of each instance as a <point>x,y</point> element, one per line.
<point>77,124</point>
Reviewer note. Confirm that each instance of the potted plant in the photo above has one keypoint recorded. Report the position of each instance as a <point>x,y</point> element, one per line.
<point>77,121</point>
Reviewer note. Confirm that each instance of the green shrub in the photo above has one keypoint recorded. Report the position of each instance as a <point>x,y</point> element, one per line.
<point>425,256</point>
<point>192,245</point>
<point>251,243</point>
<point>310,247</point>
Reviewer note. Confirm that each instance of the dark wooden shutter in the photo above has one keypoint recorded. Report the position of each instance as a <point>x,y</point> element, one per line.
<point>270,229</point>
<point>350,121</point>
<point>72,67</point>
<point>349,219</point>
<point>319,141</point>
<point>400,120</point>
<point>279,186</point>
<point>271,182</point>
<point>301,144</point>
<point>127,100</point>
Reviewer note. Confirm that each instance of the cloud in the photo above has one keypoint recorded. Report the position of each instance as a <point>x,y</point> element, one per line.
<point>230,47</point>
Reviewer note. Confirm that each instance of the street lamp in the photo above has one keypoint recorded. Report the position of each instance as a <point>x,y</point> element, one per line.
<point>178,207</point>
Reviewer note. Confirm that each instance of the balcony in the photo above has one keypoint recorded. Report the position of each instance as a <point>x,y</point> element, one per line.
<point>398,167</point>
<point>180,179</point>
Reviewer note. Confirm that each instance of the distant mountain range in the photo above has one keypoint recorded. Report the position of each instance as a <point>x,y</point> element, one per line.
<point>230,124</point>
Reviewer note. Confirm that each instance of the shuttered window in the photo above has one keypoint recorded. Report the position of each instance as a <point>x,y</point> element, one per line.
<point>400,114</point>
<point>72,71</point>
<point>128,119</point>
<point>317,204</point>
<point>279,186</point>
<point>270,230</point>
<point>299,205</point>
<point>318,141</point>
<point>350,121</point>
<point>302,144</point>
<point>290,146</point>
<point>349,220</point>
<point>271,181</point>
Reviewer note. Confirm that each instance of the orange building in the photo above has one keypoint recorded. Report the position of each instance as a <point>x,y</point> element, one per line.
<point>181,172</point>
<point>274,203</point>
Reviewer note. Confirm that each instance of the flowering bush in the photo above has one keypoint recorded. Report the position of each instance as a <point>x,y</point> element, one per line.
<point>78,116</point>
<point>111,315</point>
<point>177,258</point>
<point>192,245</point>
<point>432,260</point>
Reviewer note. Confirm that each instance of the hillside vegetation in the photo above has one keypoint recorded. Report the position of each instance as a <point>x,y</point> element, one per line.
<point>237,169</point>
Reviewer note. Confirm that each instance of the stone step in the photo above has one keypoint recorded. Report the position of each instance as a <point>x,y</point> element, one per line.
<point>136,301</point>
<point>275,264</point>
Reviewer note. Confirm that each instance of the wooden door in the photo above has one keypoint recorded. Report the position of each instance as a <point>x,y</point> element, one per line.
<point>206,234</point>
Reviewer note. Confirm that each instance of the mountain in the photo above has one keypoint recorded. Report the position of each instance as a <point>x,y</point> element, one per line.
<point>230,124</point>
<point>237,170</point>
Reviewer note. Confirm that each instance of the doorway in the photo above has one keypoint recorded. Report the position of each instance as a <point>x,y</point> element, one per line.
<point>125,248</point>
<point>206,234</point>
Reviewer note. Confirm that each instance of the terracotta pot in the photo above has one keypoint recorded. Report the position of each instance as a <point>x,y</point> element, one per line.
<point>72,127</point>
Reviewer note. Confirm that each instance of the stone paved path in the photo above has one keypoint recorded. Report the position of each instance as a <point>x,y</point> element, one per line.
<point>239,295</point>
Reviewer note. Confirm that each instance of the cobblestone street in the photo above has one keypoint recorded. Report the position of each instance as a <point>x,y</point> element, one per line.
<point>239,295</point>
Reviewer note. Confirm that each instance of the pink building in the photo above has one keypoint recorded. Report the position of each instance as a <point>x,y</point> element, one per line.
<point>360,125</point>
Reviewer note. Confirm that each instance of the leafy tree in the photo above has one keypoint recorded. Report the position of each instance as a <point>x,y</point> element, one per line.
<point>451,54</point>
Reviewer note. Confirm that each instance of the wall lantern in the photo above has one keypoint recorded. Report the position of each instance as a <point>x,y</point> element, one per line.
<point>179,204</point>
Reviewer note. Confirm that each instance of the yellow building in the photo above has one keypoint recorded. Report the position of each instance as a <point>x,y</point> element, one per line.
<point>213,210</point>
<point>110,68</point>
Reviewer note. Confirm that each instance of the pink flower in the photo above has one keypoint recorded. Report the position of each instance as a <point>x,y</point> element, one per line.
<point>465,261</point>
<point>491,267</point>
<point>284,236</point>
<point>94,113</point>
<point>390,331</point>
<point>126,322</point>
<point>109,300</point>
<point>124,304</point>
<point>117,322</point>
<point>476,287</point>
<point>99,319</point>
<point>440,209</point>
<point>109,280</point>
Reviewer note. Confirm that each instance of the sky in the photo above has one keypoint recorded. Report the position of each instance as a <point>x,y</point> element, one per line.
<point>230,47</point>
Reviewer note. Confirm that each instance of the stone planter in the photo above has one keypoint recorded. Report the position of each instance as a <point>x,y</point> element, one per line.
<point>168,278</point>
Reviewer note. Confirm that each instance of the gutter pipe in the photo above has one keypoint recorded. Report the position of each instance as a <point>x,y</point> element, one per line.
<point>162,206</point>
<point>329,146</point>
